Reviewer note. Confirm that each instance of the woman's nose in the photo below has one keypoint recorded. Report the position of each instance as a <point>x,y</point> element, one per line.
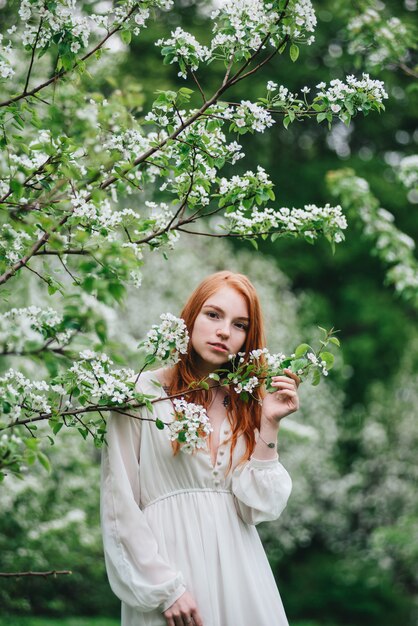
<point>223,331</point>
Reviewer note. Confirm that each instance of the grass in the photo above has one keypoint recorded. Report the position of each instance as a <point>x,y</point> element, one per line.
<point>90,621</point>
<point>58,621</point>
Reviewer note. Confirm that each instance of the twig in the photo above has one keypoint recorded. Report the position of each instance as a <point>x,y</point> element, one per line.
<point>53,572</point>
<point>33,55</point>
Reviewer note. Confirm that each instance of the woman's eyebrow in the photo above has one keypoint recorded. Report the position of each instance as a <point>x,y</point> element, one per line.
<point>217,308</point>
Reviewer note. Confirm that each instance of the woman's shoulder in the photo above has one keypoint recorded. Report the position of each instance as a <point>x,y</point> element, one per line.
<point>151,381</point>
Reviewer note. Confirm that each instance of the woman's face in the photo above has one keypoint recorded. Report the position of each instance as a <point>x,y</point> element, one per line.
<point>220,329</point>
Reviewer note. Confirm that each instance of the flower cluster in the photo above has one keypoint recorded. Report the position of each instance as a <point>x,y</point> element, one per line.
<point>246,190</point>
<point>12,454</point>
<point>379,38</point>
<point>184,49</point>
<point>61,22</point>
<point>30,325</point>
<point>20,396</point>
<point>241,26</point>
<point>99,215</point>
<point>191,425</point>
<point>249,386</point>
<point>304,18</point>
<point>159,222</point>
<point>390,244</point>
<point>318,361</point>
<point>168,340</point>
<point>92,379</point>
<point>360,94</point>
<point>408,171</point>
<point>6,69</point>
<point>130,143</point>
<point>250,371</point>
<point>307,222</point>
<point>12,244</point>
<point>250,117</point>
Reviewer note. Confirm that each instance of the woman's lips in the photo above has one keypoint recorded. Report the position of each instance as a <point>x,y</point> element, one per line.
<point>219,347</point>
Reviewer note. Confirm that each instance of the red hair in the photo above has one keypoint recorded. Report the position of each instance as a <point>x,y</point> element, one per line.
<point>244,417</point>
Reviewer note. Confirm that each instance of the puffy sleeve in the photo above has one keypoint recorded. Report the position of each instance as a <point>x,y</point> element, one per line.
<point>261,490</point>
<point>137,573</point>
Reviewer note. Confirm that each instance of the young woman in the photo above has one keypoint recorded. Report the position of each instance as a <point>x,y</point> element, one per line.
<point>179,533</point>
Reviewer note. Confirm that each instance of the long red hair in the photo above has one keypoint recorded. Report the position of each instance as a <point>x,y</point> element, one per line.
<point>244,417</point>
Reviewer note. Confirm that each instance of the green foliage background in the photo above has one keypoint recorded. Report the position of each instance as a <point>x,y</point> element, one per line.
<point>320,580</point>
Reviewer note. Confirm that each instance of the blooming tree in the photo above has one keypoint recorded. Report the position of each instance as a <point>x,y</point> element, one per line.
<point>88,185</point>
<point>379,40</point>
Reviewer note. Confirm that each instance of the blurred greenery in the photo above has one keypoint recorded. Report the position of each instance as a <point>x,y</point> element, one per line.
<point>97,621</point>
<point>362,571</point>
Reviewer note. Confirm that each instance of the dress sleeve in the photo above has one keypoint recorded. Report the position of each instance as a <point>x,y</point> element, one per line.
<point>261,490</point>
<point>137,573</point>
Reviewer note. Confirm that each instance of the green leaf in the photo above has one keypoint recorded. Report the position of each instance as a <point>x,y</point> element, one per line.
<point>159,424</point>
<point>126,36</point>
<point>298,364</point>
<point>316,378</point>
<point>204,385</point>
<point>57,427</point>
<point>100,328</point>
<point>328,357</point>
<point>44,461</point>
<point>117,291</point>
<point>301,350</point>
<point>335,341</point>
<point>294,52</point>
<point>244,396</point>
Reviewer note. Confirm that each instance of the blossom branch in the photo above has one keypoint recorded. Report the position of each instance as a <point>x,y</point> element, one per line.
<point>63,72</point>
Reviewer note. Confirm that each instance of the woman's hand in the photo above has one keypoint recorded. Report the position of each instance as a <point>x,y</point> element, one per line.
<point>282,402</point>
<point>183,612</point>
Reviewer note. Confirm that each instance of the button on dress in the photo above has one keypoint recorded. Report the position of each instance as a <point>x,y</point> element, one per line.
<point>172,523</point>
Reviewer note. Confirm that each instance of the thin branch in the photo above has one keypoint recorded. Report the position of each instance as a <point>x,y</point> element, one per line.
<point>78,251</point>
<point>408,70</point>
<point>237,76</point>
<point>53,572</point>
<point>37,273</point>
<point>76,280</point>
<point>33,54</point>
<point>103,408</point>
<point>61,73</point>
<point>198,86</point>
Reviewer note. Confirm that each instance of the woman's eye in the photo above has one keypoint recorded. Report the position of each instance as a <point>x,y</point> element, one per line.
<point>241,326</point>
<point>212,314</point>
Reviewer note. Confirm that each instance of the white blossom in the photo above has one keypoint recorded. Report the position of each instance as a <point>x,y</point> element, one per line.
<point>168,340</point>
<point>191,425</point>
<point>408,171</point>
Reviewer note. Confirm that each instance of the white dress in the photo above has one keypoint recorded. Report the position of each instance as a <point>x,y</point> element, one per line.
<point>172,523</point>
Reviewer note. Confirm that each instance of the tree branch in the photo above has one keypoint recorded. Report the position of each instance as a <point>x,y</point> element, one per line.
<point>53,572</point>
<point>61,73</point>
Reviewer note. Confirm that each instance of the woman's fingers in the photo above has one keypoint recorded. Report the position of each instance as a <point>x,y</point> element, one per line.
<point>291,374</point>
<point>197,620</point>
<point>284,383</point>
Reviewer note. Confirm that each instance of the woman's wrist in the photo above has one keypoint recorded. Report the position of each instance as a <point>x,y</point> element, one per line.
<point>268,427</point>
<point>266,446</point>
